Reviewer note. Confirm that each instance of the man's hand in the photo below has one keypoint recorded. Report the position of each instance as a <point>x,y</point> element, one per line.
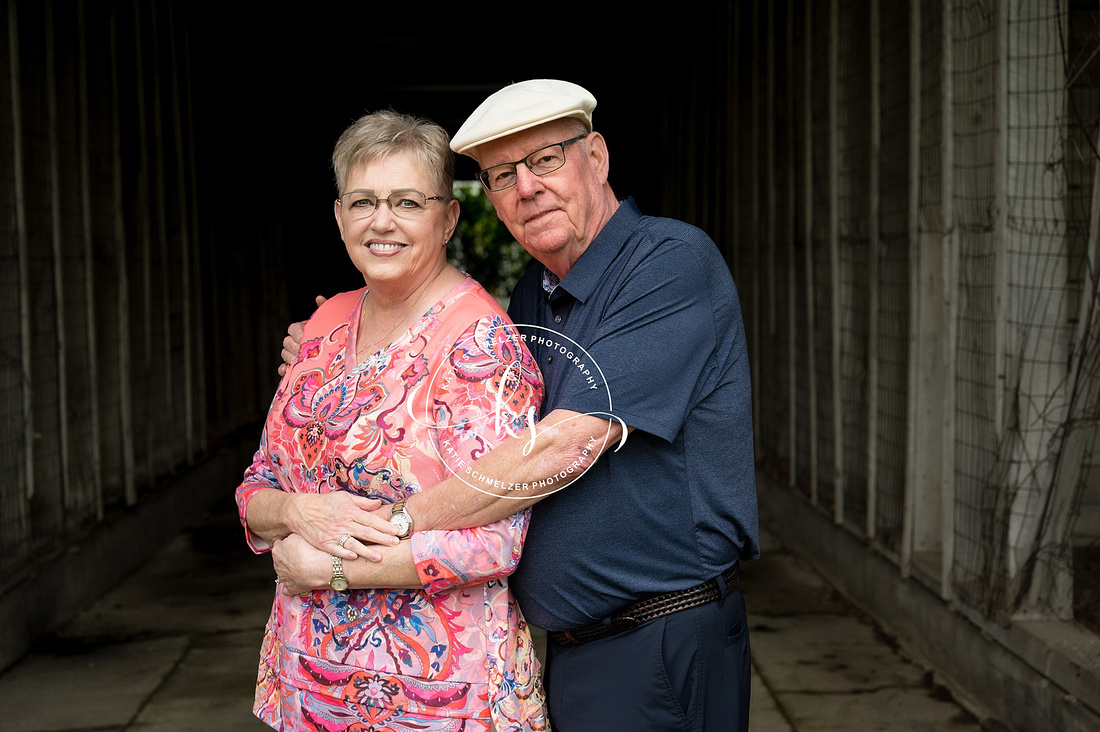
<point>295,333</point>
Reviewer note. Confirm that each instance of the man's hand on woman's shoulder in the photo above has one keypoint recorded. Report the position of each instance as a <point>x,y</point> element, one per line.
<point>294,334</point>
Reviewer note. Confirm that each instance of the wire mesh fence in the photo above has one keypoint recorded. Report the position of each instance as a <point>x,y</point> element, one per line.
<point>938,395</point>
<point>892,253</point>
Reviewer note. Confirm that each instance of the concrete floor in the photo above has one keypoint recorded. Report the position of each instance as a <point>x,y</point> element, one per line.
<point>175,647</point>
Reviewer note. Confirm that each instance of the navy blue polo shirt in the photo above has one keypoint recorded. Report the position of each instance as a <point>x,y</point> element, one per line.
<point>646,326</point>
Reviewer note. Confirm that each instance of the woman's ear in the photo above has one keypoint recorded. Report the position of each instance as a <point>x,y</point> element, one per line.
<point>454,210</point>
<point>339,222</point>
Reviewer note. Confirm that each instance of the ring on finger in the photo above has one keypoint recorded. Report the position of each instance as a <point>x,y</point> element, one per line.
<point>343,540</point>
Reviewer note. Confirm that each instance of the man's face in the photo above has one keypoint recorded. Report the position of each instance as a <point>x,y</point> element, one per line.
<point>554,216</point>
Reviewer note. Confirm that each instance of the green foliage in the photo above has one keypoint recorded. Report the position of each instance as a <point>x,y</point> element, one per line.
<point>483,247</point>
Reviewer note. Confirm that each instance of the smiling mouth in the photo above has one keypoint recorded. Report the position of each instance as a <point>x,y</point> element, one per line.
<point>384,247</point>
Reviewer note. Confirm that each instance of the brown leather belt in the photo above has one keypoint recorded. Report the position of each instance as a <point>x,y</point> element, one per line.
<point>651,609</point>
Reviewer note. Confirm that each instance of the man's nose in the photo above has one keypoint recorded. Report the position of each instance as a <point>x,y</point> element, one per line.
<point>527,183</point>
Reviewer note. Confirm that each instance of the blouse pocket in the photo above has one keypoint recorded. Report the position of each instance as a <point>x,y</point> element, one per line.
<point>326,688</point>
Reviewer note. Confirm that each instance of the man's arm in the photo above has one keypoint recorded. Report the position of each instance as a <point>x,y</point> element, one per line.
<point>517,473</point>
<point>564,445</point>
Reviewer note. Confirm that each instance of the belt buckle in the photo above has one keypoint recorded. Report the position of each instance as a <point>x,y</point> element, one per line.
<point>623,622</point>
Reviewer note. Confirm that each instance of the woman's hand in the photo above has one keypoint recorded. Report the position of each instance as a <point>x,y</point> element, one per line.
<point>299,566</point>
<point>325,519</point>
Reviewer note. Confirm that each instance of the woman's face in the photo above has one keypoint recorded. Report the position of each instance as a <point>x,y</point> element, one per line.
<point>391,251</point>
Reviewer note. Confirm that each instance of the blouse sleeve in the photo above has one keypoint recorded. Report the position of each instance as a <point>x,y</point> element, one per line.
<point>489,390</point>
<point>261,474</point>
<point>321,327</point>
<point>257,477</point>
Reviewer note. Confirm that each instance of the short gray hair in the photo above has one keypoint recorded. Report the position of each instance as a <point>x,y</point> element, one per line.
<point>378,134</point>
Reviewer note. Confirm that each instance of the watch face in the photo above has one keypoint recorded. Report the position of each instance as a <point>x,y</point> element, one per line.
<point>401,521</point>
<point>339,584</point>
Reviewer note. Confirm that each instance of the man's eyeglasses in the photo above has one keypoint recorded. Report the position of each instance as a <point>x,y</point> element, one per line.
<point>406,204</point>
<point>540,162</point>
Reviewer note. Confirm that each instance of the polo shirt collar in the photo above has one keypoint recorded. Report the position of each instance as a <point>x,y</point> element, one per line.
<point>585,274</point>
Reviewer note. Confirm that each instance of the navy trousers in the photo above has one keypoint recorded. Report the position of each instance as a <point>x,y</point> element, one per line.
<point>686,671</point>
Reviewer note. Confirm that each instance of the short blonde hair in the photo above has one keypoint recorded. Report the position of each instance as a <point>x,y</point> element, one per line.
<point>378,134</point>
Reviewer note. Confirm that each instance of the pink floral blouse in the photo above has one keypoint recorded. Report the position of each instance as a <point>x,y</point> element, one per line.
<point>457,653</point>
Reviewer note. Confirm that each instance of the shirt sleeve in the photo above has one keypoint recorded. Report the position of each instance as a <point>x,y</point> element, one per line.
<point>489,390</point>
<point>257,477</point>
<point>652,346</point>
<point>261,474</point>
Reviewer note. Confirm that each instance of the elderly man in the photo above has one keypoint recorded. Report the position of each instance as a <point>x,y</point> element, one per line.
<point>632,553</point>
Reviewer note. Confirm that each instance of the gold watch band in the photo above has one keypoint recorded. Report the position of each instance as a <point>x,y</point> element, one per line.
<point>338,581</point>
<point>404,523</point>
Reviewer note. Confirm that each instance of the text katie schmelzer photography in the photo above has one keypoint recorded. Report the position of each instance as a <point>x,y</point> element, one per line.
<point>503,423</point>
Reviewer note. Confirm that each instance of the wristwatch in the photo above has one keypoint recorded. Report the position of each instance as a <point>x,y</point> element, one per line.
<point>400,518</point>
<point>338,582</point>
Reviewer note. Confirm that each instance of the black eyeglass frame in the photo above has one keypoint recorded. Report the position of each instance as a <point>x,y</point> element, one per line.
<point>482,174</point>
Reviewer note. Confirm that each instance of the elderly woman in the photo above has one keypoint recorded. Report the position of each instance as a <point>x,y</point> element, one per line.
<point>395,386</point>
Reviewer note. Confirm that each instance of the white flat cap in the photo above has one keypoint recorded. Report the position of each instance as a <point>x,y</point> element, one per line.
<point>521,106</point>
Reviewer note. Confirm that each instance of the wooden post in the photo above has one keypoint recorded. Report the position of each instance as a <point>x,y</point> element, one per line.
<point>196,250</point>
<point>151,432</point>
<point>912,483</point>
<point>808,202</point>
<point>834,264</point>
<point>767,119</point>
<point>951,305</point>
<point>792,280</point>
<point>125,382</point>
<point>23,506</point>
<point>89,264</point>
<point>61,341</point>
<point>872,271</point>
<point>167,403</point>
<point>185,255</point>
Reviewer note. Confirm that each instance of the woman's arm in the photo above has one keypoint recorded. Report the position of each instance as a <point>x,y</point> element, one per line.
<point>269,513</point>
<point>302,567</point>
<point>320,519</point>
<point>432,561</point>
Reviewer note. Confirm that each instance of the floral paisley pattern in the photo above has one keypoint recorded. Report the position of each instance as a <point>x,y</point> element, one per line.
<point>457,654</point>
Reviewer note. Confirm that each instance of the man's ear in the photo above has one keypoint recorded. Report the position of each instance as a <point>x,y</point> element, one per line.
<point>596,148</point>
